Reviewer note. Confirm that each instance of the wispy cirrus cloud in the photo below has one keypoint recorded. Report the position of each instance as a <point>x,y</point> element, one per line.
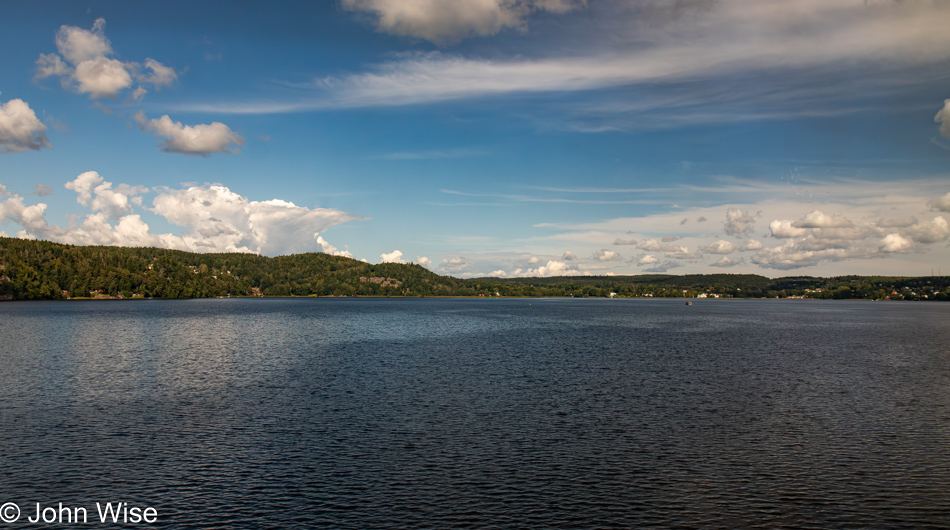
<point>780,42</point>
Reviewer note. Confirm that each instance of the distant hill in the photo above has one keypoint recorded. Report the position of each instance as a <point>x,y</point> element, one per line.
<point>41,270</point>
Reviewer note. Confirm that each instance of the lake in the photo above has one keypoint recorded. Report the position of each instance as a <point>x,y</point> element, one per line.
<point>478,413</point>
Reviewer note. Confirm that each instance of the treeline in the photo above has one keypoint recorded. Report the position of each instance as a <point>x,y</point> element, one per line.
<point>41,270</point>
<point>927,288</point>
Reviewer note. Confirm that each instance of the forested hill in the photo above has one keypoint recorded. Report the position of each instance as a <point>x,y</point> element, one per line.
<point>33,270</point>
<point>37,270</point>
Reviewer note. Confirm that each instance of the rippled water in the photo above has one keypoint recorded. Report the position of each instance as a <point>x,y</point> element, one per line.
<point>374,413</point>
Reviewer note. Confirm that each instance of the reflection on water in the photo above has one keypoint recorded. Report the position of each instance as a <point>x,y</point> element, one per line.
<point>298,413</point>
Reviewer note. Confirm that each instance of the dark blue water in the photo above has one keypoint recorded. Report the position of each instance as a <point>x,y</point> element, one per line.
<point>373,413</point>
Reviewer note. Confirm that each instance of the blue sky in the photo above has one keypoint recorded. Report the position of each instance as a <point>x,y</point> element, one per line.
<point>488,137</point>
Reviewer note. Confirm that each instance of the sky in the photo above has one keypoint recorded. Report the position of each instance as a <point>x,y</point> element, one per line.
<point>498,138</point>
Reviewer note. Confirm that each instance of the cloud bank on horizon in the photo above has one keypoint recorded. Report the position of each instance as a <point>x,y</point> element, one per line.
<point>496,138</point>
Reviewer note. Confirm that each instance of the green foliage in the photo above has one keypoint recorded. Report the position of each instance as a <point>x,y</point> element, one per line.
<point>41,270</point>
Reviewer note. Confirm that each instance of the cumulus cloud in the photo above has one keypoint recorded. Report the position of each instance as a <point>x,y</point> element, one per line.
<point>202,139</point>
<point>785,229</point>
<point>449,21</point>
<point>719,247</point>
<point>677,252</point>
<point>670,239</point>
<point>42,191</point>
<point>726,261</point>
<point>93,191</point>
<point>497,274</point>
<point>664,266</point>
<point>392,257</point>
<point>454,265</point>
<point>606,255</point>
<point>568,256</point>
<point>818,219</point>
<point>749,244</point>
<point>792,255</point>
<point>932,232</point>
<point>943,118</point>
<point>327,248</point>
<point>158,75</point>
<point>895,243</point>
<point>649,259</point>
<point>534,259</point>
<point>551,268</point>
<point>101,77</point>
<point>20,129</point>
<point>213,219</point>
<point>941,204</point>
<point>89,68</point>
<point>423,261</point>
<point>738,222</point>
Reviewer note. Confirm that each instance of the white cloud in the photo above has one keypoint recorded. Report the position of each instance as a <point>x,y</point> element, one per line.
<point>649,259</point>
<point>159,76</point>
<point>792,256</point>
<point>94,192</point>
<point>895,243</point>
<point>943,118</point>
<point>454,265</point>
<point>89,69</point>
<point>552,268</point>
<point>534,259</point>
<point>20,129</point>
<point>202,139</point>
<point>78,45</point>
<point>664,266</point>
<point>785,229</point>
<point>941,204</point>
<point>651,245</point>
<point>738,222</point>
<point>719,247</point>
<point>497,274</point>
<point>392,257</point>
<point>449,21</point>
<point>41,190</point>
<point>702,41</point>
<point>327,248</point>
<point>619,241</point>
<point>51,64</point>
<point>935,231</point>
<point>606,255</point>
<point>423,261</point>
<point>818,219</point>
<point>101,77</point>
<point>749,244</point>
<point>568,256</point>
<point>214,219</point>
<point>677,252</point>
<point>726,261</point>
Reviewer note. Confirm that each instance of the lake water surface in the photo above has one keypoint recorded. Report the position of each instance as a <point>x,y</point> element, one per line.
<point>472,413</point>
